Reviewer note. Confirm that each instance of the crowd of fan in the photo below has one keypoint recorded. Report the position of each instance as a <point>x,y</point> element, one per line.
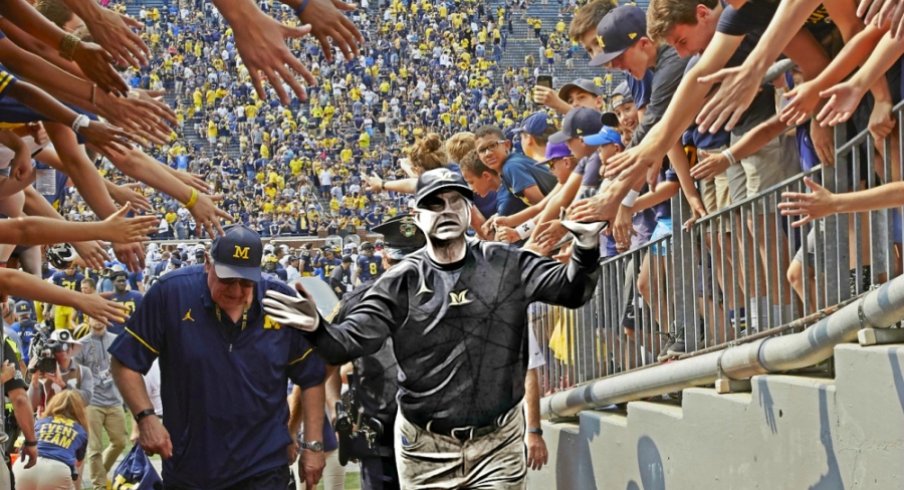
<point>297,169</point>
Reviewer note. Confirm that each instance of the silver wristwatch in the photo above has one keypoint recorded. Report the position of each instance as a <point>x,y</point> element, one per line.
<point>315,446</point>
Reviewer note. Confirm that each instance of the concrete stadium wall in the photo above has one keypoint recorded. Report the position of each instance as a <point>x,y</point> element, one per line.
<point>789,432</point>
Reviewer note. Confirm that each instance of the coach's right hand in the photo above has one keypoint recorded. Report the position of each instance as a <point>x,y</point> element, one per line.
<point>154,438</point>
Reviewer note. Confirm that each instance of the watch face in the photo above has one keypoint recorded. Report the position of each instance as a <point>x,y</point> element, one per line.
<point>314,446</point>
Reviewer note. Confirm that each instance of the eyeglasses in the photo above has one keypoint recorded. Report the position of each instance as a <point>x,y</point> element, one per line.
<point>554,161</point>
<point>490,147</point>
<point>243,283</point>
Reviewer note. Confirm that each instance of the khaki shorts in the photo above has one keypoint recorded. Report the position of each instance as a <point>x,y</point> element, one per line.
<point>715,192</point>
<point>774,163</point>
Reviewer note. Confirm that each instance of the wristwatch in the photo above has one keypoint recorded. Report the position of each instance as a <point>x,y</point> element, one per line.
<point>535,430</point>
<point>315,446</point>
<point>144,413</point>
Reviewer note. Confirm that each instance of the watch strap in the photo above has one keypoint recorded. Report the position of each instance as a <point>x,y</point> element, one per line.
<point>144,413</point>
<point>535,430</point>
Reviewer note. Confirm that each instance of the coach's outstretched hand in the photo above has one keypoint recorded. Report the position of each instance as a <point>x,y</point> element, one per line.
<point>586,235</point>
<point>291,311</point>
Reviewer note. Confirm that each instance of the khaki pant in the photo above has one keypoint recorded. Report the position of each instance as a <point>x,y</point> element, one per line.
<point>100,460</point>
<point>427,460</point>
<point>46,474</point>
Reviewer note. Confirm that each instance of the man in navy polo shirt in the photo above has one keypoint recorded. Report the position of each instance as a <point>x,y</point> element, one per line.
<point>224,367</point>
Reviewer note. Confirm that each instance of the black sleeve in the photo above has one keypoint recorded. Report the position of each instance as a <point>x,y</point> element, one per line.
<point>669,72</point>
<point>569,285</point>
<point>368,322</point>
<point>751,17</point>
<point>17,381</point>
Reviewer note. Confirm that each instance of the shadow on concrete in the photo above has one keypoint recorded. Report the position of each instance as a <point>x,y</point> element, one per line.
<point>831,480</point>
<point>766,401</point>
<point>898,375</point>
<point>649,464</point>
<point>574,467</point>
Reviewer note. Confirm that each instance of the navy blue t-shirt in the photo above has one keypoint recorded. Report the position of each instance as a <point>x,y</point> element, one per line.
<point>129,299</point>
<point>223,383</point>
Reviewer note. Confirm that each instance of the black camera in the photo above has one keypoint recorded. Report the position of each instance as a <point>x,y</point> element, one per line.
<point>44,347</point>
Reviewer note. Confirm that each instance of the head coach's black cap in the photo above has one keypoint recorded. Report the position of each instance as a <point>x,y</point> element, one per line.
<point>440,179</point>
<point>401,236</point>
<point>238,253</point>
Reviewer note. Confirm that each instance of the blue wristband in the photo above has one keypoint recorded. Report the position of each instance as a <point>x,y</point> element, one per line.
<point>300,9</point>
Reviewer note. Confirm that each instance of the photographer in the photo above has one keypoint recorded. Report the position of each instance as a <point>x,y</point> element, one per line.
<point>54,370</point>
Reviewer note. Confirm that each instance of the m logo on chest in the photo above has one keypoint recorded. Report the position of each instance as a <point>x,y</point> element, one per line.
<point>459,298</point>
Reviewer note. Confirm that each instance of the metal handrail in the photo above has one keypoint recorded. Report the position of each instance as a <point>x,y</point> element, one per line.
<point>880,308</point>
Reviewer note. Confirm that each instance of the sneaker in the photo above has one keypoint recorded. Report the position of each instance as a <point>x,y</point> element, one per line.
<point>663,354</point>
<point>676,349</point>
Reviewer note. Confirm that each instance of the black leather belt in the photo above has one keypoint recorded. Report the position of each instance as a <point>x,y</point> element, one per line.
<point>467,433</point>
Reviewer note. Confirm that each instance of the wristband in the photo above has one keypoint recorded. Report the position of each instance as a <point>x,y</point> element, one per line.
<point>300,8</point>
<point>730,157</point>
<point>630,199</point>
<point>68,45</point>
<point>93,93</point>
<point>192,200</point>
<point>28,443</point>
<point>524,229</point>
<point>147,412</point>
<point>80,121</point>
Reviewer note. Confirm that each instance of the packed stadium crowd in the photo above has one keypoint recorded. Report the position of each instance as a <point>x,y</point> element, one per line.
<point>212,125</point>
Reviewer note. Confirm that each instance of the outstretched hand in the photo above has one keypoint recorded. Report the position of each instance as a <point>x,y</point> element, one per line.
<point>818,203</point>
<point>291,311</point>
<point>261,44</point>
<point>327,21</point>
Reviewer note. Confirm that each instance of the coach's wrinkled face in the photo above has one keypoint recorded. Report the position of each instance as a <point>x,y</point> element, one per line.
<point>444,215</point>
<point>228,293</point>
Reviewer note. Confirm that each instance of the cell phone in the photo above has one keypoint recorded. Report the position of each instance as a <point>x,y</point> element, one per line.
<point>544,80</point>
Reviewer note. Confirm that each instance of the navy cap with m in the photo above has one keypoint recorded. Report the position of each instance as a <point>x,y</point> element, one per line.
<point>440,179</point>
<point>237,254</point>
<point>579,122</point>
<point>534,125</point>
<point>618,31</point>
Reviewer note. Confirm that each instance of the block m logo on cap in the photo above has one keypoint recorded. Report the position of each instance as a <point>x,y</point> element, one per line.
<point>241,253</point>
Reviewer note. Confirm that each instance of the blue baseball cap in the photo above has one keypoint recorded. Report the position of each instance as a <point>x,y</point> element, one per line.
<point>578,123</point>
<point>237,254</point>
<point>618,31</point>
<point>23,307</point>
<point>534,125</point>
<point>606,136</point>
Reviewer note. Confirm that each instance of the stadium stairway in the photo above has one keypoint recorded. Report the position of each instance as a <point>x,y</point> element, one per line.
<point>522,42</point>
<point>787,432</point>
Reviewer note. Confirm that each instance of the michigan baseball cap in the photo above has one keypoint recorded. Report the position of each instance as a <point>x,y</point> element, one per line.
<point>555,151</point>
<point>583,84</point>
<point>440,179</point>
<point>606,136</point>
<point>534,125</point>
<point>237,254</point>
<point>401,236</point>
<point>579,122</point>
<point>618,31</point>
<point>23,307</point>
